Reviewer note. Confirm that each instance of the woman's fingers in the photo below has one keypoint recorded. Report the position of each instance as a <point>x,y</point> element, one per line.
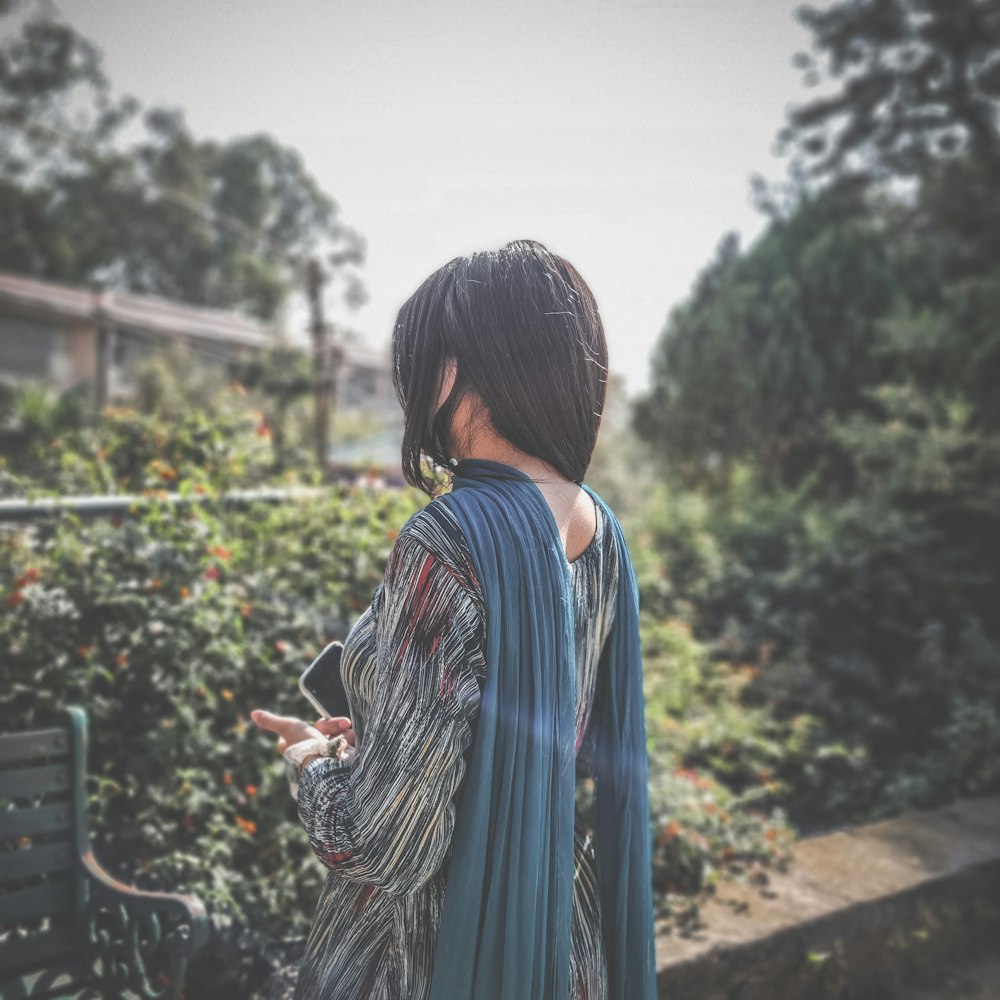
<point>337,726</point>
<point>334,726</point>
<point>270,721</point>
<point>288,728</point>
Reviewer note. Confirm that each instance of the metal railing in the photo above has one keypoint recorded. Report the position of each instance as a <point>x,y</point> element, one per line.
<point>20,509</point>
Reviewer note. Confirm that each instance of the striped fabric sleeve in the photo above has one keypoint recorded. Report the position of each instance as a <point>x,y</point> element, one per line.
<point>386,817</point>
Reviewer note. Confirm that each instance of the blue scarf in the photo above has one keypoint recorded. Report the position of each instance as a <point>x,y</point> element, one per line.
<point>506,918</point>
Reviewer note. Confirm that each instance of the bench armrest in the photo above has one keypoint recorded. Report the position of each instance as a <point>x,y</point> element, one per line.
<point>139,940</point>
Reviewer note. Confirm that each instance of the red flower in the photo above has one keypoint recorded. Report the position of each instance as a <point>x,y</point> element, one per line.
<point>212,573</point>
<point>14,598</point>
<point>31,575</point>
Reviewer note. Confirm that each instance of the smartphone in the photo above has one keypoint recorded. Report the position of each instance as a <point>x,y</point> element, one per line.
<point>322,684</point>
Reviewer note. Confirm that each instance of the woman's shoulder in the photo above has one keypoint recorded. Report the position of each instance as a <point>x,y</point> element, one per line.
<point>434,529</point>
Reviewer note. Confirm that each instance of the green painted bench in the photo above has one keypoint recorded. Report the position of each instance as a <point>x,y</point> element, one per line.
<point>67,928</point>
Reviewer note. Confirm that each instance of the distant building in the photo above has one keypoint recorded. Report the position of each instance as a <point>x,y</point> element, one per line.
<point>64,335</point>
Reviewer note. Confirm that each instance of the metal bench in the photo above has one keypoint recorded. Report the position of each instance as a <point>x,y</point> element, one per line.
<point>67,928</point>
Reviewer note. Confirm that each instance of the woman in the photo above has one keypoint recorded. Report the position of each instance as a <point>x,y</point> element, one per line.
<point>497,664</point>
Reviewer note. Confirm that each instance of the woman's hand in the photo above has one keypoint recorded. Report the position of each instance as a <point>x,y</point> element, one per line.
<point>291,730</point>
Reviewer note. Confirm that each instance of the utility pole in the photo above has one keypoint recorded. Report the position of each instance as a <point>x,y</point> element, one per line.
<point>104,350</point>
<point>315,279</point>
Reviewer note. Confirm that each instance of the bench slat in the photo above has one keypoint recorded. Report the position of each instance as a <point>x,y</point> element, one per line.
<point>44,900</point>
<point>52,818</point>
<point>39,950</point>
<point>35,743</point>
<point>34,860</point>
<point>67,979</point>
<point>21,782</point>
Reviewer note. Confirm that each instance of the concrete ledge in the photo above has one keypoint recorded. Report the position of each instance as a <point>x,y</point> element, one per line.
<point>862,912</point>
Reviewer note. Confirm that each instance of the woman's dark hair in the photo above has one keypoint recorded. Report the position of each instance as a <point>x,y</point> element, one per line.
<point>526,335</point>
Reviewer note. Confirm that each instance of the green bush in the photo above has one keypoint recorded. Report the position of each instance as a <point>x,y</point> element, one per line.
<point>169,626</point>
<point>853,616</point>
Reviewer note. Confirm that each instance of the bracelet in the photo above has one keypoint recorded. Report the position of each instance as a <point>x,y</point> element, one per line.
<point>336,747</point>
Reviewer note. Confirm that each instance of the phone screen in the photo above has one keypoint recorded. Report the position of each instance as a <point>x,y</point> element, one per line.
<point>322,684</point>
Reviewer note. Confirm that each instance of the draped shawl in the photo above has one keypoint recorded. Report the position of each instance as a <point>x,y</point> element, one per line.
<point>507,908</point>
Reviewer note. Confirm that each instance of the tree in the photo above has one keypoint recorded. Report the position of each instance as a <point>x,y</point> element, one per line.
<point>227,224</point>
<point>913,99</point>
<point>772,343</point>
<point>918,80</point>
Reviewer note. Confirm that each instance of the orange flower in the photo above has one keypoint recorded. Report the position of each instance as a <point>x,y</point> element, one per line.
<point>246,824</point>
<point>202,693</point>
<point>671,830</point>
<point>771,833</point>
<point>227,778</point>
<point>162,469</point>
<point>218,550</point>
<point>391,534</point>
<point>200,490</point>
<point>155,584</point>
<point>263,430</point>
<point>86,649</point>
<point>245,610</point>
<point>121,660</point>
<point>251,789</point>
<point>227,694</point>
<point>185,593</point>
<point>696,779</point>
<point>14,598</point>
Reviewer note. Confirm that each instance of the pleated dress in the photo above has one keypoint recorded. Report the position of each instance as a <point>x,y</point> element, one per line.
<point>414,669</point>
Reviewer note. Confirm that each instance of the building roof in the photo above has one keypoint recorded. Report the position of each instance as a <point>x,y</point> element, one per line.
<point>141,313</point>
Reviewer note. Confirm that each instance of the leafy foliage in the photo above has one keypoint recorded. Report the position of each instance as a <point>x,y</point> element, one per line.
<point>169,625</point>
<point>829,395</point>
<point>916,80</point>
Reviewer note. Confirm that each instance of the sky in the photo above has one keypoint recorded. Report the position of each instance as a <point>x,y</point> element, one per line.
<point>622,135</point>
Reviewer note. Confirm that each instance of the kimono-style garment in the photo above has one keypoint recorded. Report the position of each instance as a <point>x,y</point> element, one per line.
<point>415,668</point>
